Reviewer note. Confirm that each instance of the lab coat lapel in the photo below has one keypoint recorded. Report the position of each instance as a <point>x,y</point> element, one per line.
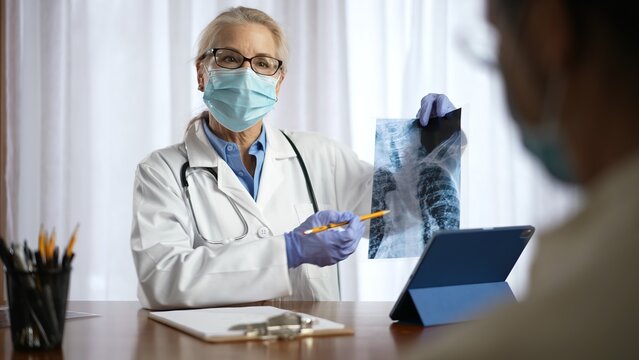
<point>277,150</point>
<point>201,154</point>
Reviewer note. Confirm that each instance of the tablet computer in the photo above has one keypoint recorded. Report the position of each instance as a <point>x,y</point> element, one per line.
<point>459,273</point>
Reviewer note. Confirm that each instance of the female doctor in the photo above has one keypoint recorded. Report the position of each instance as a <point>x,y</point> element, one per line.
<point>219,218</point>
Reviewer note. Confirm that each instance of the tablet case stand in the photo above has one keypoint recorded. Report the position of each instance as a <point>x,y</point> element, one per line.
<point>449,304</point>
<point>461,274</point>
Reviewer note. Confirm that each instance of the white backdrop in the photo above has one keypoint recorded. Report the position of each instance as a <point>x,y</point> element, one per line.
<point>94,86</point>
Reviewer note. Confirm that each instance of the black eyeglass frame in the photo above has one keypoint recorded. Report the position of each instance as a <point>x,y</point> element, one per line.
<point>214,51</point>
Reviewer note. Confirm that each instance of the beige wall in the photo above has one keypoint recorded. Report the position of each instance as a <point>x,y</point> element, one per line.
<point>3,143</point>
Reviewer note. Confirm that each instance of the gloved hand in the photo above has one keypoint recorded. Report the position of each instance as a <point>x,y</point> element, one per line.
<point>326,247</point>
<point>434,105</point>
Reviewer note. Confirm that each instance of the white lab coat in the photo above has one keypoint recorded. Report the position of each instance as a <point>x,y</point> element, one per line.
<point>176,272</point>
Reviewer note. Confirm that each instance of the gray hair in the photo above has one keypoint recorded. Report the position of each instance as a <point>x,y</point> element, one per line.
<point>239,16</point>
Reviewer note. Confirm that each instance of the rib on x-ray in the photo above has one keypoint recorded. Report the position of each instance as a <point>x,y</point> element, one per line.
<point>417,172</point>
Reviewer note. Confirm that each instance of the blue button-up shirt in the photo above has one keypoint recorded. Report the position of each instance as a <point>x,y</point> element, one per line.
<point>230,153</point>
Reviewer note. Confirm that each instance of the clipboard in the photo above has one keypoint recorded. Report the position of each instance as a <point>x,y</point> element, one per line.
<point>235,324</point>
<point>460,274</point>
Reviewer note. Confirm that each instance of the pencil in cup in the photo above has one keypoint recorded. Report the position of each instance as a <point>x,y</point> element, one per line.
<point>332,226</point>
<point>38,287</point>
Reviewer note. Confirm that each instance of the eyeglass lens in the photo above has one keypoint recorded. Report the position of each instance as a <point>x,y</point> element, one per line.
<point>230,59</point>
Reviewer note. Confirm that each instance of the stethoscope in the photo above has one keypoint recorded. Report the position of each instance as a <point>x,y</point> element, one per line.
<point>213,172</point>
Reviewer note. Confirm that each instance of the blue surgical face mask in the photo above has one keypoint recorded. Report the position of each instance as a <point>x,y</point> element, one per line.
<point>545,143</point>
<point>239,98</point>
<point>544,140</point>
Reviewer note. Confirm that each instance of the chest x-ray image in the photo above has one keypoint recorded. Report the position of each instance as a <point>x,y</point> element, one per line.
<point>417,177</point>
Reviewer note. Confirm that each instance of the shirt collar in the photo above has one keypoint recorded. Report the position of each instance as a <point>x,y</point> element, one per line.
<point>220,145</point>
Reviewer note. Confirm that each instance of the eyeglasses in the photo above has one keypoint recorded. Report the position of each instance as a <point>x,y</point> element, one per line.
<point>231,59</point>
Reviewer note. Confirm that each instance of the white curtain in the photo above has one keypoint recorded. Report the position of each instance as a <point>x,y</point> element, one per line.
<point>402,50</point>
<point>94,86</point>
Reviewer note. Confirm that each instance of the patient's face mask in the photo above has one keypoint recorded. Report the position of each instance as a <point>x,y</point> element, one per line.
<point>239,98</point>
<point>542,139</point>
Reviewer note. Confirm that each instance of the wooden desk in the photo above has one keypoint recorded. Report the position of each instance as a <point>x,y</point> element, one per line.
<point>123,331</point>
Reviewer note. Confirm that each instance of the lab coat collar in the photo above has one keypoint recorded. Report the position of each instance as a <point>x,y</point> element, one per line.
<point>277,144</point>
<point>200,153</point>
<point>277,149</point>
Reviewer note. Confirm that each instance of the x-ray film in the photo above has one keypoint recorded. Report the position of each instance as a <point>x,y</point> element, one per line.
<point>417,175</point>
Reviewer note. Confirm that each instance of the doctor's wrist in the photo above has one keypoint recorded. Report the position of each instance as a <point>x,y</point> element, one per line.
<point>292,257</point>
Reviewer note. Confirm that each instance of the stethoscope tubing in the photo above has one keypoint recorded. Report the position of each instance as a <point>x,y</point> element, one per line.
<point>186,167</point>
<point>187,194</point>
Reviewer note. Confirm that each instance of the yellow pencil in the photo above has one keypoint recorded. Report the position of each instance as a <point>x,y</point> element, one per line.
<point>331,226</point>
<point>41,243</point>
<point>69,250</point>
<point>51,246</point>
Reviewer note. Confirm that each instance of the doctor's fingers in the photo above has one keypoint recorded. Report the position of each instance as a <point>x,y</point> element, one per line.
<point>347,216</point>
<point>351,246</point>
<point>351,235</point>
<point>338,241</point>
<point>332,216</point>
<point>335,217</point>
<point>355,228</point>
<point>433,105</point>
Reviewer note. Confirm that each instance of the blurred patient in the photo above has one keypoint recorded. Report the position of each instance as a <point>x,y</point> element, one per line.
<point>572,82</point>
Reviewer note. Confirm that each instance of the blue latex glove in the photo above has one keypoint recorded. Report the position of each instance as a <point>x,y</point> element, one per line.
<point>434,105</point>
<point>326,247</point>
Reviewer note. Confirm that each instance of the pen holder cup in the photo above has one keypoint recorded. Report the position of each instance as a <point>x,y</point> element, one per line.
<point>37,307</point>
